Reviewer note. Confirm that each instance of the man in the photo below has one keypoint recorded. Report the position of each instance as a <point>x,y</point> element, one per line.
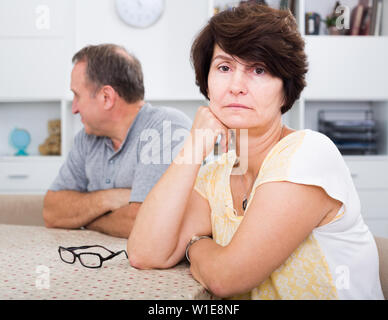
<point>108,171</point>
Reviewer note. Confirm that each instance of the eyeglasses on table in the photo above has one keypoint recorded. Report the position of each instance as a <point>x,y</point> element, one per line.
<point>87,259</point>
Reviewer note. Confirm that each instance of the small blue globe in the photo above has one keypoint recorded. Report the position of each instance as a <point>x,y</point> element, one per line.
<point>20,139</point>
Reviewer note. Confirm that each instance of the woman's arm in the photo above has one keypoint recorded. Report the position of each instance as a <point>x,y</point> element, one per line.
<point>173,212</point>
<point>279,219</point>
<point>155,240</point>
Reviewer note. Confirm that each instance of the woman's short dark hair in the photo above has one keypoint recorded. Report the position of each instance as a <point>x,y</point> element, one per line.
<point>255,33</point>
<point>110,64</point>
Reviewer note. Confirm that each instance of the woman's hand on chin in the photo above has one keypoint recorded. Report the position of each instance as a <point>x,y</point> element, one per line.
<point>205,131</point>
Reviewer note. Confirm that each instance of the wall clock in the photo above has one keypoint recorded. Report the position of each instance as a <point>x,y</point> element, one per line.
<point>140,13</point>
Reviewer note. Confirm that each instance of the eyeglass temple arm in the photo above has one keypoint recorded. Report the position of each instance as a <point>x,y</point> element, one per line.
<point>116,254</point>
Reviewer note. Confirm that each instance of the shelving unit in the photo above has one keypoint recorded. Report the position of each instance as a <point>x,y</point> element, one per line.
<point>359,66</point>
<point>36,45</point>
<point>33,173</point>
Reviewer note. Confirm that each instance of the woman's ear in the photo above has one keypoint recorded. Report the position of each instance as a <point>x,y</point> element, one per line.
<point>283,102</point>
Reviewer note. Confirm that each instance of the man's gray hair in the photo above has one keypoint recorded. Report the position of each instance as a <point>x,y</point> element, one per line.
<point>110,64</point>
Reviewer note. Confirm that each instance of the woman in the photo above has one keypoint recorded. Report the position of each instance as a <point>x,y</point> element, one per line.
<point>286,224</point>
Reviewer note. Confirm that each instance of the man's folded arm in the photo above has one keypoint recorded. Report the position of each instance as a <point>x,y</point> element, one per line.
<point>117,223</point>
<point>73,209</point>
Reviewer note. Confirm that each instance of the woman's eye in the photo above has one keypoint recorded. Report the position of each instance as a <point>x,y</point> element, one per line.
<point>259,70</point>
<point>223,68</point>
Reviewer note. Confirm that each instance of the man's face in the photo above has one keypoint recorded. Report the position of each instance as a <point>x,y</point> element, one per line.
<point>89,106</point>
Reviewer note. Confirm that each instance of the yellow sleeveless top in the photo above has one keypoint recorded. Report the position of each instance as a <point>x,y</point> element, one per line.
<point>305,274</point>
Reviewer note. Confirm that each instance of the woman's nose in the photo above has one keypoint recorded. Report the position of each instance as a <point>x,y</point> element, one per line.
<point>238,83</point>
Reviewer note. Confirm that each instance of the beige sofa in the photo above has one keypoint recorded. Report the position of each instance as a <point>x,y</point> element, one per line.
<point>27,210</point>
<point>21,209</point>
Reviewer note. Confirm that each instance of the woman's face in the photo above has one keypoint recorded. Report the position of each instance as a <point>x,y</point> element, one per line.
<point>243,95</point>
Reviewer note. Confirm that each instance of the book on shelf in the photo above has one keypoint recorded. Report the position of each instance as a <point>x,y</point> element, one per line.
<point>356,19</point>
<point>366,18</point>
<point>376,18</point>
<point>288,5</point>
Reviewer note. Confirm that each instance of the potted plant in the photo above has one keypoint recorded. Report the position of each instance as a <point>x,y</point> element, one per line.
<point>331,21</point>
<point>331,25</point>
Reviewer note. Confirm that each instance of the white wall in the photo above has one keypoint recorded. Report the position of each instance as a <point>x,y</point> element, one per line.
<point>36,63</point>
<point>163,49</point>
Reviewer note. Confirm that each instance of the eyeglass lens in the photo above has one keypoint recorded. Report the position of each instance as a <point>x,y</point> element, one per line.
<point>67,255</point>
<point>90,260</point>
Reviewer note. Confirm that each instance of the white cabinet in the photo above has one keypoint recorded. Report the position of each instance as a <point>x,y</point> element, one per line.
<point>349,73</point>
<point>35,47</point>
<point>32,175</point>
<point>378,227</point>
<point>31,115</point>
<point>36,43</point>
<point>33,18</point>
<point>372,202</point>
<point>370,176</point>
<point>37,68</point>
<point>369,173</point>
<point>347,68</point>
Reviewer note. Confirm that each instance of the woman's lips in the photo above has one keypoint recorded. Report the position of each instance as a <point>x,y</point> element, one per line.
<point>237,106</point>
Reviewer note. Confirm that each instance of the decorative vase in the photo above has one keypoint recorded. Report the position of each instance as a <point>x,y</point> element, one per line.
<point>20,139</point>
<point>333,31</point>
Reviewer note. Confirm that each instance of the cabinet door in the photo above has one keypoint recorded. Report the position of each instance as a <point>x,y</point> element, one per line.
<point>32,68</point>
<point>352,68</point>
<point>374,203</point>
<point>33,18</point>
<point>28,176</point>
<point>378,227</point>
<point>369,174</point>
<point>35,47</point>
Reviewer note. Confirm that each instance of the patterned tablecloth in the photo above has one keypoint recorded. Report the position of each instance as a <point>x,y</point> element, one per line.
<point>30,268</point>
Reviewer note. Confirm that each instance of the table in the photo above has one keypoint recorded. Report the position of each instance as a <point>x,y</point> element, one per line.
<point>30,268</point>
